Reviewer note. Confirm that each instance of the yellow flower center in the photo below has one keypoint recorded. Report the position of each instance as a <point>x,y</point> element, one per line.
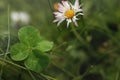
<point>69,13</point>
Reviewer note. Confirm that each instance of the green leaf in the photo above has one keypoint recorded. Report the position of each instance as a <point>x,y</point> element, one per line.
<point>19,52</point>
<point>29,35</point>
<point>37,62</point>
<point>44,46</point>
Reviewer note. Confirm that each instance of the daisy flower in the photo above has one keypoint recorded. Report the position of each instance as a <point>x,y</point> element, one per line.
<point>67,11</point>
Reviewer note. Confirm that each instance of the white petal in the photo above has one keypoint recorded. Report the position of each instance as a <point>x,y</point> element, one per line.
<point>56,20</point>
<point>79,14</point>
<point>60,17</point>
<point>60,14</point>
<point>75,20</point>
<point>68,22</point>
<point>61,8</point>
<point>80,10</point>
<point>57,13</point>
<point>76,5</point>
<point>60,22</point>
<point>66,4</point>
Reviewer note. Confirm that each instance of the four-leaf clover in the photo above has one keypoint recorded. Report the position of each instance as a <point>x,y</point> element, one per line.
<point>31,49</point>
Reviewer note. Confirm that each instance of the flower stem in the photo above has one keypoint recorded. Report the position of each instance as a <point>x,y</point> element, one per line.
<point>77,35</point>
<point>8,44</point>
<point>117,75</point>
<point>50,5</point>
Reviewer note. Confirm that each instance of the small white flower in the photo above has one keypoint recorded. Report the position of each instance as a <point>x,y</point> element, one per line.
<point>67,11</point>
<point>15,16</point>
<point>20,16</point>
<point>24,17</point>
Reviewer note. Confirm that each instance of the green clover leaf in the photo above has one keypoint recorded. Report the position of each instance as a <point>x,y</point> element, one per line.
<point>19,52</point>
<point>29,35</point>
<point>44,46</point>
<point>37,62</point>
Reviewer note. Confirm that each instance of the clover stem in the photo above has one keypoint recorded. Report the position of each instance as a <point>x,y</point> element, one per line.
<point>32,76</point>
<point>48,77</point>
<point>9,62</point>
<point>19,66</point>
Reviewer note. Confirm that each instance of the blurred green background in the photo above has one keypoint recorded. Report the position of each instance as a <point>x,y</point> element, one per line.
<point>70,59</point>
